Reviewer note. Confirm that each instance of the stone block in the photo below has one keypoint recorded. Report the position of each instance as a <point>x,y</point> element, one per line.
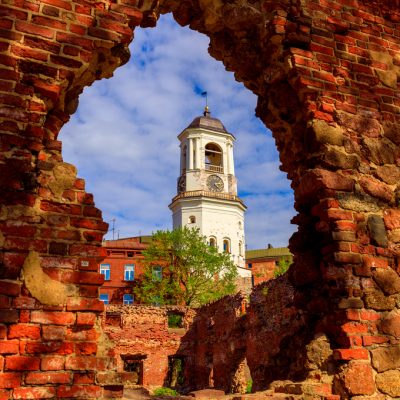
<point>387,279</point>
<point>377,230</point>
<point>389,382</point>
<point>359,379</point>
<point>390,324</point>
<point>386,358</point>
<point>376,300</point>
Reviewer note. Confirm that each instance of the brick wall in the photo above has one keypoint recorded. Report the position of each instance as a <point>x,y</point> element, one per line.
<point>326,74</point>
<point>143,331</point>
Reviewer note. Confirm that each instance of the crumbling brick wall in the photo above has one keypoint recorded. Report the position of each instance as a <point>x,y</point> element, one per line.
<point>326,74</point>
<point>143,331</point>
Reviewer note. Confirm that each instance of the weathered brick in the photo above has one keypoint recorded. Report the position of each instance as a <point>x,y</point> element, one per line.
<point>22,363</point>
<point>42,378</point>
<point>53,318</point>
<point>24,331</point>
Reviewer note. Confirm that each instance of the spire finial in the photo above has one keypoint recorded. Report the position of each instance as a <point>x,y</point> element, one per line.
<point>206,112</point>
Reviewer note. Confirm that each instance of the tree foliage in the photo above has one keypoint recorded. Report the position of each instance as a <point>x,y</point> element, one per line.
<point>193,273</point>
<point>283,265</point>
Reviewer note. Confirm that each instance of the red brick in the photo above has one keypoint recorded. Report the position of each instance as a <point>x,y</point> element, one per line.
<point>9,380</point>
<point>392,218</point>
<point>351,354</point>
<point>27,303</point>
<point>9,288</point>
<point>24,331</point>
<point>88,304</point>
<point>27,27</point>
<point>367,315</point>
<point>371,340</point>
<point>354,327</point>
<point>84,377</point>
<point>82,334</point>
<point>87,319</point>
<point>42,378</point>
<point>53,318</point>
<point>22,363</point>
<point>34,393</point>
<point>54,332</point>
<point>52,363</point>
<point>375,262</point>
<point>66,5</point>
<point>85,349</point>
<point>49,22</point>
<point>86,363</point>
<point>82,391</point>
<point>82,277</point>
<point>53,347</point>
<point>9,347</point>
<point>76,41</point>
<point>89,223</point>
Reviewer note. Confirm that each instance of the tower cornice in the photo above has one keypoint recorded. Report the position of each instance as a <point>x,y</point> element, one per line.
<point>207,195</point>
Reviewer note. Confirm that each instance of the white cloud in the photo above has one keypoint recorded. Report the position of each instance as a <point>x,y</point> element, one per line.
<point>123,136</point>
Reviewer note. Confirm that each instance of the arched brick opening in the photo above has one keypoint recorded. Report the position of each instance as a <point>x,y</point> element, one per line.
<point>326,75</point>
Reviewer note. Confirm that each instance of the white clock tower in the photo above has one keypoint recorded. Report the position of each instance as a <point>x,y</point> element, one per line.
<point>207,188</point>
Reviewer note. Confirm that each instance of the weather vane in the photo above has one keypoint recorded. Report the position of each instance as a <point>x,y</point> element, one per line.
<point>206,109</point>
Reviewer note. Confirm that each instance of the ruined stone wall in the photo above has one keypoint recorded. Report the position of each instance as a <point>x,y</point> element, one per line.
<point>143,331</point>
<point>326,74</point>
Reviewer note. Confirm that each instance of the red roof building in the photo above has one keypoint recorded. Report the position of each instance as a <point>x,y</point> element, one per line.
<point>264,262</point>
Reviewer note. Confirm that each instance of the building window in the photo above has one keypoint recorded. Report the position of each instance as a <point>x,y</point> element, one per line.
<point>240,248</point>
<point>127,299</point>
<point>104,298</point>
<point>130,253</point>
<point>129,272</point>
<point>212,242</point>
<point>105,270</point>
<point>157,274</point>
<point>249,265</point>
<point>226,246</point>
<point>192,219</point>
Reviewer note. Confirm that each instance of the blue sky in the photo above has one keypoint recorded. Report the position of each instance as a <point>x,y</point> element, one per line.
<point>123,137</point>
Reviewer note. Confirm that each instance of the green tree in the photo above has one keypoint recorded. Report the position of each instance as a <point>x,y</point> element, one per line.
<point>181,268</point>
<point>283,265</point>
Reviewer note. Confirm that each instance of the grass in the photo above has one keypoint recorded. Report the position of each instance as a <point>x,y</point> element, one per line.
<point>164,391</point>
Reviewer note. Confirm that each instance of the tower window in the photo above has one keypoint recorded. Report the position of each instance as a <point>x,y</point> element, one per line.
<point>213,158</point>
<point>240,248</point>
<point>192,219</point>
<point>212,242</point>
<point>227,246</point>
<point>105,270</point>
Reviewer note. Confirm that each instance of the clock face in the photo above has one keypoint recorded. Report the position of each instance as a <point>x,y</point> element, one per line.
<point>215,183</point>
<point>182,184</point>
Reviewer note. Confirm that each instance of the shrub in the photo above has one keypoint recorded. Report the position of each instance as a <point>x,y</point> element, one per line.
<point>249,386</point>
